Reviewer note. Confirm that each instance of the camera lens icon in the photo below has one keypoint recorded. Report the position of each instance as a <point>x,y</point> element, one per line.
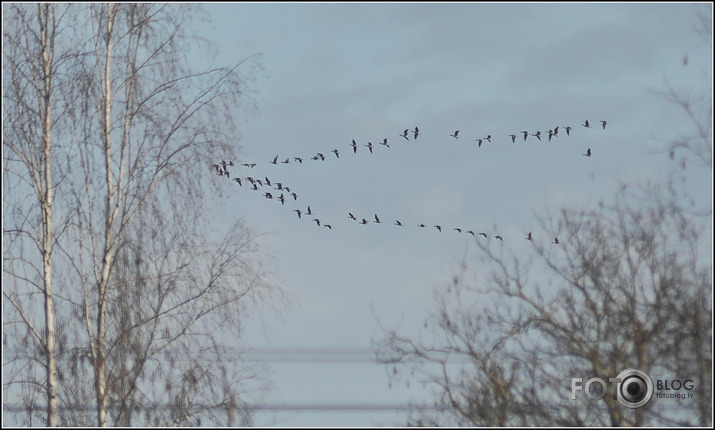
<point>635,389</point>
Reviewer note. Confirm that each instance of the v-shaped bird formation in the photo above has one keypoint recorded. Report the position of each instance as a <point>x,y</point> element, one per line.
<point>278,191</point>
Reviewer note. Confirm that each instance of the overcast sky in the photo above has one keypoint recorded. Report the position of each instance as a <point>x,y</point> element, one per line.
<point>332,73</point>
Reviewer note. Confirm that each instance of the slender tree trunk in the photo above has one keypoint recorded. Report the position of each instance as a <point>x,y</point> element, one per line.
<point>46,19</point>
<point>110,216</point>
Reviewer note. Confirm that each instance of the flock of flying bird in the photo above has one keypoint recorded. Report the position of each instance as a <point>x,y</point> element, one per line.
<point>286,193</point>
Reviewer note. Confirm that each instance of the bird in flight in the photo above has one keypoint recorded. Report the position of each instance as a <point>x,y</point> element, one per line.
<point>398,223</point>
<point>328,226</point>
<point>586,124</point>
<point>364,221</point>
<point>416,132</point>
<point>282,199</point>
<point>513,138</point>
<point>588,153</point>
<point>455,135</point>
<point>421,225</point>
<point>488,138</point>
<point>483,234</point>
<point>238,180</point>
<point>354,145</point>
<point>438,227</point>
<point>298,211</point>
<point>405,134</point>
<point>537,135</point>
<point>479,142</point>
<point>249,165</point>
<point>286,161</point>
<point>528,236</point>
<point>369,146</point>
<point>526,134</point>
<point>568,130</point>
<point>351,216</point>
<point>321,156</point>
<point>499,237</point>
<point>458,230</point>
<point>295,196</point>
<point>377,220</point>
<point>336,152</point>
<point>268,195</point>
<point>317,221</point>
<point>275,160</point>
<point>471,232</point>
<point>309,212</point>
<point>603,123</point>
<point>298,159</point>
<point>384,143</point>
<point>556,241</point>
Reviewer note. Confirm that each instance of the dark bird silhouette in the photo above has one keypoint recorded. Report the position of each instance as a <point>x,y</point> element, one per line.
<point>405,134</point>
<point>377,220</point>
<point>588,153</point>
<point>471,232</point>
<point>286,161</point>
<point>488,138</point>
<point>568,130</point>
<point>238,180</point>
<point>528,236</point>
<point>397,222</point>
<point>259,182</point>
<point>328,226</point>
<point>455,135</point>
<point>322,157</point>
<point>268,195</point>
<point>603,123</point>
<point>298,159</point>
<point>499,237</point>
<point>551,134</point>
<point>364,221</point>
<point>279,186</point>
<point>309,212</point>
<point>526,134</point>
<point>354,145</point>
<point>384,143</point>
<point>586,124</point>
<point>351,216</point>
<point>369,146</point>
<point>513,138</point>
<point>438,227</point>
<point>479,142</point>
<point>298,211</point>
<point>482,234</point>
<point>275,160</point>
<point>295,196</point>
<point>416,132</point>
<point>317,221</point>
<point>537,135</point>
<point>458,230</point>
<point>421,225</point>
<point>249,165</point>
<point>556,241</point>
<point>268,181</point>
<point>282,199</point>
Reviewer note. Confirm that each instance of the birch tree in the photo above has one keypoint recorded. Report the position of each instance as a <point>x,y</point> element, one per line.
<point>143,278</point>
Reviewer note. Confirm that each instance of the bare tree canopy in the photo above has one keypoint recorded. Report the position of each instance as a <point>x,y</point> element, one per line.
<point>108,131</point>
<point>628,286</point>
